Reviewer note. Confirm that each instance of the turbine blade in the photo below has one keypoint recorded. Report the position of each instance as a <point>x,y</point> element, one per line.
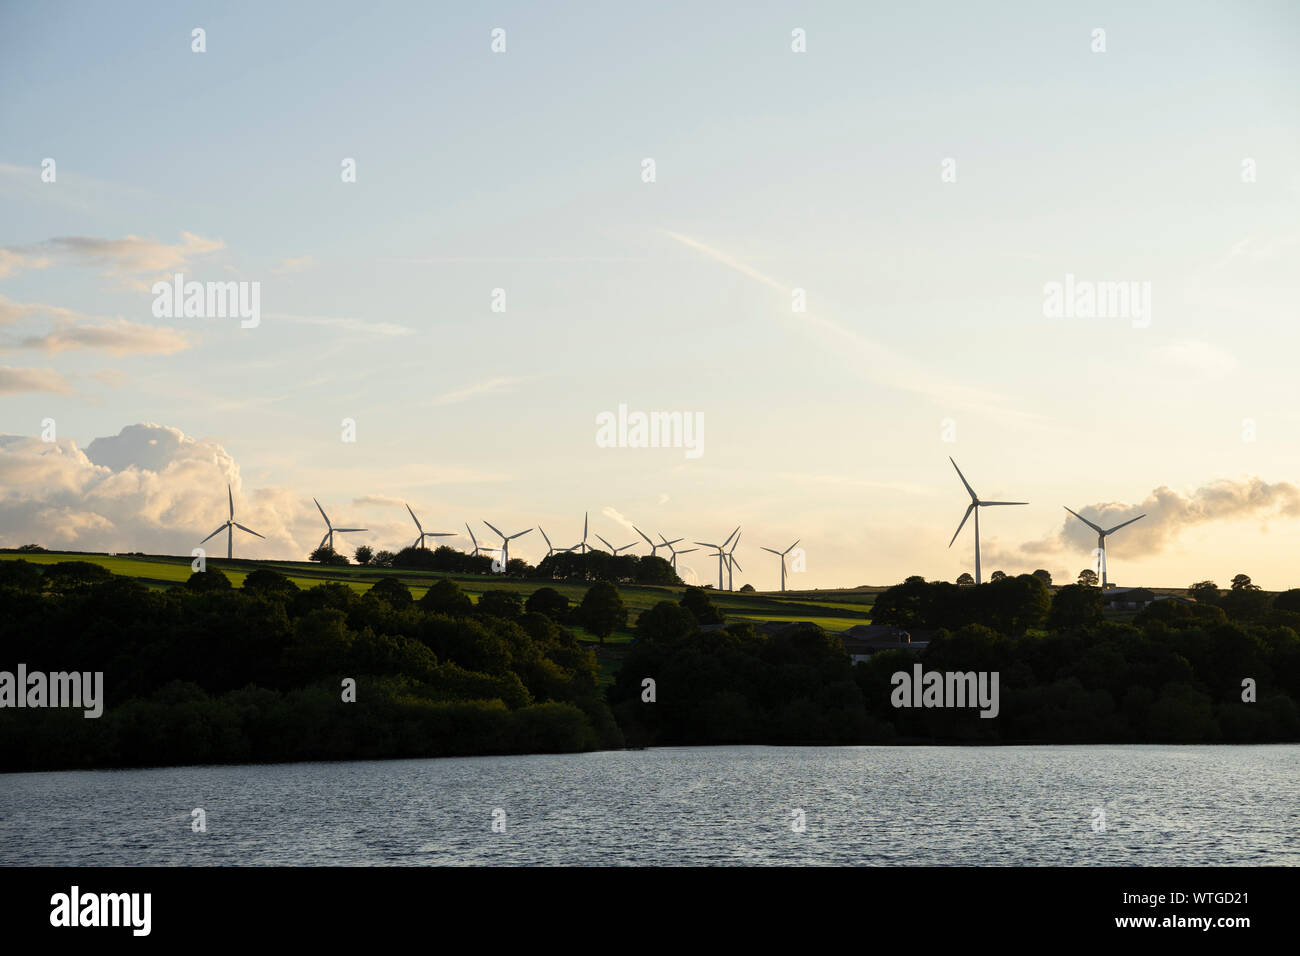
<point>730,536</point>
<point>985,504</point>
<point>520,534</point>
<point>1084,520</point>
<point>687,551</point>
<point>249,530</point>
<point>735,562</point>
<point>774,552</point>
<point>214,534</point>
<point>414,518</point>
<point>230,495</point>
<point>1118,526</point>
<point>544,538</point>
<point>792,547</point>
<point>605,543</point>
<point>969,508</point>
<point>705,544</point>
<point>350,529</point>
<point>674,541</point>
<point>969,490</point>
<point>322,512</point>
<point>493,527</point>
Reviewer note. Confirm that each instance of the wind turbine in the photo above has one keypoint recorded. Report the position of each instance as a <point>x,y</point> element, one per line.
<point>419,542</point>
<point>654,548</point>
<point>550,550</point>
<point>975,506</point>
<point>614,549</point>
<point>781,555</point>
<point>1101,539</point>
<point>230,525</point>
<point>721,553</point>
<point>669,545</point>
<point>474,540</point>
<point>330,529</point>
<point>581,547</point>
<point>732,562</point>
<point>505,543</point>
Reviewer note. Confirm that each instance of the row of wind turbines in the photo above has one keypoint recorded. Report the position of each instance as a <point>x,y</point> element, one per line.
<point>726,556</point>
<point>724,552</point>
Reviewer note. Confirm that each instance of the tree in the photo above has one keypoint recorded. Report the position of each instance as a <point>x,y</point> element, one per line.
<point>392,592</point>
<point>446,597</point>
<point>548,601</point>
<point>701,607</point>
<point>327,555</point>
<point>1044,576</point>
<point>1075,605</point>
<point>965,579</point>
<point>267,581</point>
<point>747,588</point>
<point>364,554</point>
<point>655,570</point>
<point>209,580</point>
<point>1205,592</point>
<point>503,604</point>
<point>665,621</point>
<point>998,576</point>
<point>1088,578</point>
<point>382,559</point>
<point>601,611</point>
<point>1241,582</point>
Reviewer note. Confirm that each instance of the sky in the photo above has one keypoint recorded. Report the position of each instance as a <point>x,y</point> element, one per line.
<point>503,270</point>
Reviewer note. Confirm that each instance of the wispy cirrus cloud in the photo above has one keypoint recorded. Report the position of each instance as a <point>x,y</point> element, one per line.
<point>346,323</point>
<point>486,387</point>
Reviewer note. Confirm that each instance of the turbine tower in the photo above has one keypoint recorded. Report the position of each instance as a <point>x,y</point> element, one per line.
<point>419,542</point>
<point>720,552</point>
<point>330,529</point>
<point>1101,539</point>
<point>732,562</point>
<point>781,555</point>
<point>975,506</point>
<point>614,549</point>
<point>669,545</point>
<point>505,543</point>
<point>229,526</point>
<point>581,547</point>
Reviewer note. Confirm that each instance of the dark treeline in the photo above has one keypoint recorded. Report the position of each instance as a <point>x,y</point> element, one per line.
<point>207,673</point>
<point>592,566</point>
<point>1172,675</point>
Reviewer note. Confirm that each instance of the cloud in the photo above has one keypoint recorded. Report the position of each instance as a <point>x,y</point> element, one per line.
<point>124,259</point>
<point>478,388</point>
<point>17,380</point>
<point>878,362</point>
<point>149,488</point>
<point>117,336</point>
<point>344,322</point>
<point>1168,514</point>
<point>613,515</point>
<point>292,264</point>
<point>12,262</point>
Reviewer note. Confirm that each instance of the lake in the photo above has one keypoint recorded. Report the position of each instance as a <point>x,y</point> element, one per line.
<point>1163,805</point>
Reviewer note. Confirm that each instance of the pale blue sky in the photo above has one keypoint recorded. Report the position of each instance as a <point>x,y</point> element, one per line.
<point>775,170</point>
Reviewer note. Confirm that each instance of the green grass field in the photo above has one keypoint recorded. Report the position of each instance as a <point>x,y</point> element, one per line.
<point>832,609</point>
